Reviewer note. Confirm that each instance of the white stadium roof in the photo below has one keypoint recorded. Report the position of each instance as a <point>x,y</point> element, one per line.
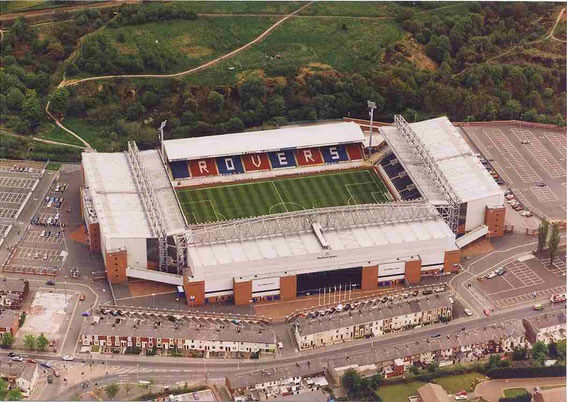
<point>262,141</point>
<point>116,198</point>
<point>301,252</point>
<point>466,175</point>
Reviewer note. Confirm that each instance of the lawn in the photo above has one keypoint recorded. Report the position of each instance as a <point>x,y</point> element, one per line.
<point>281,195</point>
<point>514,392</point>
<point>93,134</point>
<point>48,131</point>
<point>344,44</point>
<point>189,43</point>
<point>399,392</point>
<point>52,166</point>
<point>455,383</point>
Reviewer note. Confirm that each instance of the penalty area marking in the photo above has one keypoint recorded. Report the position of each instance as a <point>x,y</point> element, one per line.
<point>217,214</point>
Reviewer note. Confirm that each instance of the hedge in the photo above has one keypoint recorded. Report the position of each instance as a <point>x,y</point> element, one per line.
<point>521,398</point>
<point>524,372</point>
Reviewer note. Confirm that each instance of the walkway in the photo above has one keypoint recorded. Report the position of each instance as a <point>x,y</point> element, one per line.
<point>492,390</point>
<point>63,144</point>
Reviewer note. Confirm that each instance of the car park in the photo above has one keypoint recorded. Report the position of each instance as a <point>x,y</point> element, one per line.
<point>427,292</point>
<point>500,271</point>
<point>439,289</point>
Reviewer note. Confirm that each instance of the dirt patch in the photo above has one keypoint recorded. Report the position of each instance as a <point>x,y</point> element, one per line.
<point>123,49</point>
<point>47,313</point>
<point>147,288</point>
<point>198,51</point>
<point>320,66</point>
<point>478,247</point>
<point>409,49</point>
<point>79,235</point>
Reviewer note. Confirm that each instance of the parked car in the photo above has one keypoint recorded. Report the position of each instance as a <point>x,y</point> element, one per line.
<point>85,313</point>
<point>68,358</point>
<point>500,271</point>
<point>31,361</point>
<point>491,275</point>
<point>439,289</point>
<point>280,345</point>
<point>427,291</point>
<point>18,359</point>
<point>435,335</point>
<point>82,297</point>
<point>11,354</point>
<point>510,196</point>
<point>50,282</point>
<point>468,312</point>
<point>45,364</point>
<point>527,214</point>
<point>49,379</point>
<point>486,312</point>
<point>557,298</point>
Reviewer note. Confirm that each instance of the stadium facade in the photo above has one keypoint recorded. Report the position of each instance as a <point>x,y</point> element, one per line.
<point>441,198</point>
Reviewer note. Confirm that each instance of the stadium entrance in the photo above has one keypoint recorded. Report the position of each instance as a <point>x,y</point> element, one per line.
<point>315,282</point>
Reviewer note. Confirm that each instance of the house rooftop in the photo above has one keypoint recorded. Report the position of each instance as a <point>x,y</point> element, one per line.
<point>380,311</point>
<point>165,329</point>
<point>543,321</point>
<point>244,379</point>
<point>12,285</point>
<point>7,318</point>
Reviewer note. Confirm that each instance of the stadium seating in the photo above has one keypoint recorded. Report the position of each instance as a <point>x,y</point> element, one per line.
<point>179,170</point>
<point>288,158</point>
<point>399,178</point>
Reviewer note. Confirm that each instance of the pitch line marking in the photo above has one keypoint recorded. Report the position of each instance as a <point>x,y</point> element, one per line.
<point>279,195</point>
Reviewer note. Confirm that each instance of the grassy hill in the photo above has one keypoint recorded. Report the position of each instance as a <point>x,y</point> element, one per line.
<point>470,61</point>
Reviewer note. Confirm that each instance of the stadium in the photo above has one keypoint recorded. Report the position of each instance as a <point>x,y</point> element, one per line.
<point>283,213</point>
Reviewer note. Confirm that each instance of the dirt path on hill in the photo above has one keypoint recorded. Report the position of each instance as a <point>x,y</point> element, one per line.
<point>52,142</point>
<point>180,74</point>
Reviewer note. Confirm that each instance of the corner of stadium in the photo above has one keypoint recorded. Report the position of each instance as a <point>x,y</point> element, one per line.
<point>280,214</point>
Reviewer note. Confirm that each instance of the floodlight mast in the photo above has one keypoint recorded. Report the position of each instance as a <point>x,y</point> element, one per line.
<point>372,106</point>
<point>161,127</point>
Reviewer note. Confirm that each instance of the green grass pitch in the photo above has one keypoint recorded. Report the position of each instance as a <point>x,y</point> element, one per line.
<point>244,200</point>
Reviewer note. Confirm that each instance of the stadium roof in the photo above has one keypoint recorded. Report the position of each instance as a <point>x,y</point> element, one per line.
<point>262,141</point>
<point>466,175</point>
<point>302,252</point>
<point>116,197</point>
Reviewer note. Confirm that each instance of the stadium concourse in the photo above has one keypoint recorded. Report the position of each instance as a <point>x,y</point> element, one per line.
<point>283,213</point>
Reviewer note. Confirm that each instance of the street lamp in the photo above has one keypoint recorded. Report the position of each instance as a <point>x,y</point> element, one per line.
<point>371,106</point>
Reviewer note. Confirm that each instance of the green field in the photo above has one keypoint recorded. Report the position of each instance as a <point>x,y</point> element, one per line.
<point>266,197</point>
<point>317,44</point>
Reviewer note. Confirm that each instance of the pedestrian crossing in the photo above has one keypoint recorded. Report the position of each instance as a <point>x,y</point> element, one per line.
<point>124,370</point>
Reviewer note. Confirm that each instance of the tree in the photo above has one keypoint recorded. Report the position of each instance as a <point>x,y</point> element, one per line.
<point>3,389</point>
<point>14,99</point>
<point>376,380</point>
<point>31,110</point>
<point>539,353</point>
<point>494,361</point>
<point>519,354</point>
<point>351,382</point>
<point>7,340</point>
<point>553,243</point>
<point>216,100</point>
<point>41,342</point>
<point>111,390</point>
<point>59,101</point>
<point>542,232</point>
<point>149,99</point>
<point>14,395</point>
<point>29,342</point>
<point>557,350</point>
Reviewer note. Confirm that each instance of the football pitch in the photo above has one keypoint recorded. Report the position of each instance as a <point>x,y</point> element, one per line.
<point>265,197</point>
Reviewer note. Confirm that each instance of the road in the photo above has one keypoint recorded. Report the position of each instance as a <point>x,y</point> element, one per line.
<point>492,390</point>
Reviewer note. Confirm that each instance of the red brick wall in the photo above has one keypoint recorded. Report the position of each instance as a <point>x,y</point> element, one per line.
<point>451,257</point>
<point>242,292</point>
<point>196,290</point>
<point>369,278</point>
<point>94,237</point>
<point>494,219</point>
<point>413,272</point>
<point>288,287</point>
<point>116,264</point>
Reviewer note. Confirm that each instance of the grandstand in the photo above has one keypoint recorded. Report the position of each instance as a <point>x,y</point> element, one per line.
<point>278,214</point>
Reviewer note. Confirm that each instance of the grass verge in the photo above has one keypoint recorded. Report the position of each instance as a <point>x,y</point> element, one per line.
<point>399,392</point>
<point>515,392</point>
<point>53,166</point>
<point>455,383</point>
